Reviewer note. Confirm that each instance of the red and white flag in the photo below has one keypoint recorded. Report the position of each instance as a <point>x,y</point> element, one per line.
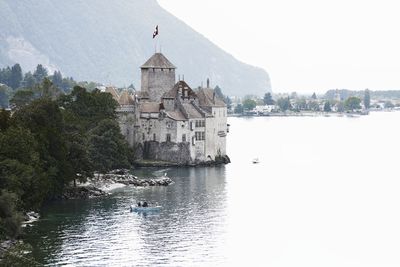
<point>155,33</point>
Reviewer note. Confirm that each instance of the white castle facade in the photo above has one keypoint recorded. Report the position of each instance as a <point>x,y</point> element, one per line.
<point>169,121</point>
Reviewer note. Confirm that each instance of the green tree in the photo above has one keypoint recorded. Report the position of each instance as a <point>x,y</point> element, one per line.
<point>40,73</point>
<point>10,219</point>
<point>389,104</point>
<point>16,76</point>
<point>57,79</point>
<point>301,104</point>
<point>43,118</point>
<point>327,106</point>
<point>108,148</point>
<point>29,81</point>
<point>268,99</point>
<point>22,98</point>
<point>314,96</point>
<point>249,104</point>
<point>313,105</point>
<point>238,109</point>
<point>218,92</point>
<point>367,99</point>
<point>5,76</point>
<point>5,117</point>
<point>284,103</point>
<point>5,94</point>
<point>47,89</point>
<point>340,106</point>
<point>352,103</point>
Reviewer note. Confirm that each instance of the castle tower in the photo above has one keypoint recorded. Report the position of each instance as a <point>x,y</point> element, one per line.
<point>158,76</point>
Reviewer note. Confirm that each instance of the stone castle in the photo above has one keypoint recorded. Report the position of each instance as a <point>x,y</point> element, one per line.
<point>169,121</point>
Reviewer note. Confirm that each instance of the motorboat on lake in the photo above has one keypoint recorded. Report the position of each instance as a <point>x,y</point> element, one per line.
<point>255,161</point>
<point>144,207</point>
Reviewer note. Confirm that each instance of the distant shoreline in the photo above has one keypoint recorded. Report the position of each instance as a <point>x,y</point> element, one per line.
<point>311,114</point>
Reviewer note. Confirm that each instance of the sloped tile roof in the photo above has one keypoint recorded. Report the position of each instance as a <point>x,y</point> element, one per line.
<point>113,92</point>
<point>158,60</point>
<point>179,85</point>
<point>176,115</point>
<point>126,99</point>
<point>207,98</point>
<point>150,107</point>
<point>191,111</point>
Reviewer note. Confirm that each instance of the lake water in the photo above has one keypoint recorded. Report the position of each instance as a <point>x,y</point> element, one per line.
<point>325,193</point>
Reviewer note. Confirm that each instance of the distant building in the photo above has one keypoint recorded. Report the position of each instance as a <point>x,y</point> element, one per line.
<point>168,120</point>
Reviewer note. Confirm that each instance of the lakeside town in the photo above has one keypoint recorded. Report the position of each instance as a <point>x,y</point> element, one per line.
<point>332,102</point>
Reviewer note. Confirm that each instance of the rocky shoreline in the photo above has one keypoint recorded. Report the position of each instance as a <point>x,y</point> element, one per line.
<point>101,184</point>
<point>152,163</point>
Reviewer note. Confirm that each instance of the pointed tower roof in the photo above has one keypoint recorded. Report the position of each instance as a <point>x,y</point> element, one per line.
<point>158,61</point>
<point>126,99</point>
<point>113,91</point>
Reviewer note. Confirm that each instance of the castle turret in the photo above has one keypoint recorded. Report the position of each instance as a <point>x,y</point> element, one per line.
<point>158,76</point>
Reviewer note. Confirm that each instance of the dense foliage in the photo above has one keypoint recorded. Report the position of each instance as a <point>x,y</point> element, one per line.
<point>14,84</point>
<point>50,140</point>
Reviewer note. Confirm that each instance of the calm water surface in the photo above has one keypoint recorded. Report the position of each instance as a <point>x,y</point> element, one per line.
<point>326,193</point>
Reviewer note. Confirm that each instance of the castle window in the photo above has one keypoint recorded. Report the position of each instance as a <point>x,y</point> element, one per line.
<point>200,136</point>
<point>183,137</point>
<point>168,137</point>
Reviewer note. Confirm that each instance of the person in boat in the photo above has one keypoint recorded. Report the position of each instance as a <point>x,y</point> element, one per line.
<point>145,204</point>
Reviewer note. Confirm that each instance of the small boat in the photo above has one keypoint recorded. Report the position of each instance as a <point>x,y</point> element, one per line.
<point>255,161</point>
<point>144,209</point>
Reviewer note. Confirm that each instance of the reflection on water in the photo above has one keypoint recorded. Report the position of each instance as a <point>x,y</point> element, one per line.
<point>325,193</point>
<point>104,232</point>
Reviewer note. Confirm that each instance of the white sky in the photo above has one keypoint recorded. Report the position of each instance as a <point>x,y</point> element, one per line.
<point>305,45</point>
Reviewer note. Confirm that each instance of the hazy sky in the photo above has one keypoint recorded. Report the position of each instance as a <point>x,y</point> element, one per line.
<point>308,45</point>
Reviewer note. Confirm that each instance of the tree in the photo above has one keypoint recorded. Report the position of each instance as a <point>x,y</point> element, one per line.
<point>367,99</point>
<point>40,73</point>
<point>10,219</point>
<point>57,79</point>
<point>238,109</point>
<point>301,104</point>
<point>22,98</point>
<point>5,76</point>
<point>389,104</point>
<point>218,92</point>
<point>352,103</point>
<point>340,106</point>
<point>108,148</point>
<point>314,96</point>
<point>5,117</point>
<point>327,106</point>
<point>284,103</point>
<point>47,89</point>
<point>313,105</point>
<point>29,81</point>
<point>5,93</point>
<point>16,76</point>
<point>249,104</point>
<point>228,102</point>
<point>50,138</point>
<point>268,99</point>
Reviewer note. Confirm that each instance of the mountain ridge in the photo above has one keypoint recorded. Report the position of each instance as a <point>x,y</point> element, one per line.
<point>107,42</point>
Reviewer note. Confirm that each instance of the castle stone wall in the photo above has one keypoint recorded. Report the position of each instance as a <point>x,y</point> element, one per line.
<point>157,82</point>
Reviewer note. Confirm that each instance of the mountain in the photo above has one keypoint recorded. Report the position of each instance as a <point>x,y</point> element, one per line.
<point>107,41</point>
